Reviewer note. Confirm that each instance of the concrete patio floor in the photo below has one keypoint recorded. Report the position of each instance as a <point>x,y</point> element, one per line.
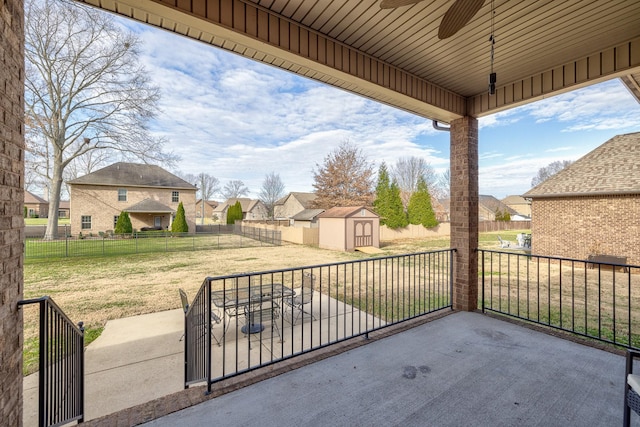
<point>141,358</point>
<point>462,369</point>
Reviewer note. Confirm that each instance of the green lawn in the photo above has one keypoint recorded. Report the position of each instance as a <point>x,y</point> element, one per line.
<point>43,221</point>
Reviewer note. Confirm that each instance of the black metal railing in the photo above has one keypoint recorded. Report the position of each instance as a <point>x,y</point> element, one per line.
<point>307,308</point>
<point>108,243</point>
<point>61,370</point>
<point>592,299</point>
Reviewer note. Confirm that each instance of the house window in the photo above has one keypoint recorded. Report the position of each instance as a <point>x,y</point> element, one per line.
<point>62,214</point>
<point>85,222</point>
<point>175,196</point>
<point>122,194</point>
<point>115,220</point>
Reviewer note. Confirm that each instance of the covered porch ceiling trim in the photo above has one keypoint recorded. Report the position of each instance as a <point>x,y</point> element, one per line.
<point>260,34</point>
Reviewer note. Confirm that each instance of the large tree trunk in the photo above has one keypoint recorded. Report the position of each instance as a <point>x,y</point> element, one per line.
<point>54,203</point>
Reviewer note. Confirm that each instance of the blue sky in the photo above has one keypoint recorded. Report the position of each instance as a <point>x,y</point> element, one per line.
<point>234,118</point>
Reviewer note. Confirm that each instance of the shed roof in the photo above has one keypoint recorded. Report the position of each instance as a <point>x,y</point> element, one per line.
<point>343,212</point>
<point>612,168</point>
<point>133,175</point>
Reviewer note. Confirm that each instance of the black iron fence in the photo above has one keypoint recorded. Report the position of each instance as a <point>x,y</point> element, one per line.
<point>61,370</point>
<point>106,243</point>
<point>592,299</point>
<point>241,322</point>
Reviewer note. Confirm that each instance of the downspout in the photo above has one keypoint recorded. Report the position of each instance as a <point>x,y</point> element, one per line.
<point>436,126</point>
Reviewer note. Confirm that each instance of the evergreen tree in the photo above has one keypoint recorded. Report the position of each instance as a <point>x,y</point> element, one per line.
<point>388,203</point>
<point>123,225</point>
<point>383,188</point>
<point>234,213</point>
<point>179,224</point>
<point>420,210</point>
<point>397,216</point>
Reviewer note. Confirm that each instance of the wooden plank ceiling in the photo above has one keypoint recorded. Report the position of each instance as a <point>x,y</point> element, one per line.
<point>542,47</point>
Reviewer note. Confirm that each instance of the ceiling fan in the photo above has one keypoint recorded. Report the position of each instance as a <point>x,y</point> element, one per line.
<point>456,17</point>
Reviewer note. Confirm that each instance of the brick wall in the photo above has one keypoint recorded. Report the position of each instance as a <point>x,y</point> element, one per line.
<point>464,212</point>
<point>11,208</point>
<point>101,203</point>
<point>576,227</point>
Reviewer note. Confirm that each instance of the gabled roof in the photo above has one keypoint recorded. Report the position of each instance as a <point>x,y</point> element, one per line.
<point>211,203</point>
<point>515,200</point>
<point>492,204</point>
<point>612,168</point>
<point>307,215</point>
<point>246,204</point>
<point>32,198</point>
<point>343,212</point>
<point>133,175</point>
<point>64,204</point>
<point>149,206</point>
<point>305,199</point>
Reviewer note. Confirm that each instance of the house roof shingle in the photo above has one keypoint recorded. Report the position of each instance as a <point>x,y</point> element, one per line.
<point>149,206</point>
<point>32,198</point>
<point>305,199</point>
<point>307,214</point>
<point>133,175</point>
<point>612,168</point>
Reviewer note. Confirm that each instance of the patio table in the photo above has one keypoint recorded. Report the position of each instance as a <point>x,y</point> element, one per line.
<point>234,300</point>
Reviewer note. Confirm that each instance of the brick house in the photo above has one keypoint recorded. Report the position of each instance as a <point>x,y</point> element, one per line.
<point>207,207</point>
<point>148,193</point>
<point>592,207</point>
<point>251,209</point>
<point>292,204</point>
<point>37,207</point>
<point>519,204</point>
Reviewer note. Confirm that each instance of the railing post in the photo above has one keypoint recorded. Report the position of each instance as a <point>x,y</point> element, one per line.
<point>451,273</point>
<point>81,357</point>
<point>210,331</point>
<point>481,253</point>
<point>42,360</point>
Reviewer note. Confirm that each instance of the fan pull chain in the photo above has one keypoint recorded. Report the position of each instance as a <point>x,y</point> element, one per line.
<point>492,40</point>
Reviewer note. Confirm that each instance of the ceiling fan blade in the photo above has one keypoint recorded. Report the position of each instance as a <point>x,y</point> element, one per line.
<point>458,15</point>
<point>392,4</point>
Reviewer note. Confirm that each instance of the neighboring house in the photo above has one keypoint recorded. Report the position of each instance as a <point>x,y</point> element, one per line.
<point>307,218</point>
<point>519,204</point>
<point>487,207</point>
<point>148,193</point>
<point>37,207</point>
<point>293,204</point>
<point>64,209</point>
<point>346,228</point>
<point>208,207</point>
<point>251,209</point>
<point>592,207</point>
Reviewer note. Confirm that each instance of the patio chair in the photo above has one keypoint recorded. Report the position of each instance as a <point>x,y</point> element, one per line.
<point>258,314</point>
<point>215,319</point>
<point>302,297</point>
<point>503,243</point>
<point>631,388</point>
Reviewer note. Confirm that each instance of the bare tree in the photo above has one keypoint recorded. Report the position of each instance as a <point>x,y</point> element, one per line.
<point>272,190</point>
<point>548,171</point>
<point>84,91</point>
<point>234,189</point>
<point>443,188</point>
<point>345,179</point>
<point>408,171</point>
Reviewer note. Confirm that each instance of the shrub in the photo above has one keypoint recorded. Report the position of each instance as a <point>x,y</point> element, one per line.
<point>123,225</point>
<point>234,212</point>
<point>179,224</point>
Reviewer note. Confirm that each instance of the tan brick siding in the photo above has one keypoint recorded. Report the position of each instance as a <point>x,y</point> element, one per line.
<point>579,226</point>
<point>290,208</point>
<point>11,209</point>
<point>101,203</point>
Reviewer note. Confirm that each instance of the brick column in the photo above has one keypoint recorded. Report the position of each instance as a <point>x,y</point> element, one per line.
<point>11,208</point>
<point>464,212</point>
